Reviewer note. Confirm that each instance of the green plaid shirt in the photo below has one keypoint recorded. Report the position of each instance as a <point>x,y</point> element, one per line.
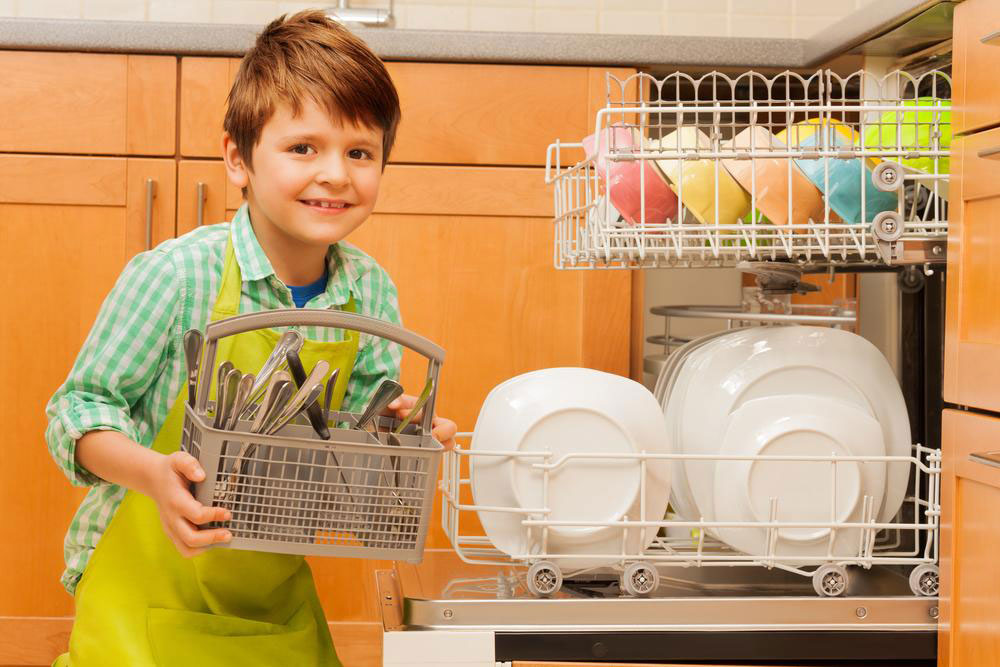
<point>131,366</point>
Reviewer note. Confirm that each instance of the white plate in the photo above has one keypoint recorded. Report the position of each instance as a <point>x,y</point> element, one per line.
<point>567,411</point>
<point>765,361</point>
<point>799,425</point>
<point>670,393</point>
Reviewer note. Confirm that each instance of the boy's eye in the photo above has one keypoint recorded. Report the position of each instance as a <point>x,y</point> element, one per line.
<point>359,154</point>
<point>301,149</point>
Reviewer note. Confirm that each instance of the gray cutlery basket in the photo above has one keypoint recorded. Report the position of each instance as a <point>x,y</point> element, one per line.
<point>292,492</point>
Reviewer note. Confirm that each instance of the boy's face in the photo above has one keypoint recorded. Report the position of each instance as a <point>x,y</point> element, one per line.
<point>314,178</point>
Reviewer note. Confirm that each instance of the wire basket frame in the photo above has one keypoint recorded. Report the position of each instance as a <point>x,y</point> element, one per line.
<point>876,146</point>
<point>356,495</point>
<point>877,543</point>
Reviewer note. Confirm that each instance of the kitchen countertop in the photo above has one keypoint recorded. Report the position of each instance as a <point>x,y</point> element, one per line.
<point>483,47</point>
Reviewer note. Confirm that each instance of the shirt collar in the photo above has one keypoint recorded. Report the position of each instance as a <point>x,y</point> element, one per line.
<point>254,264</point>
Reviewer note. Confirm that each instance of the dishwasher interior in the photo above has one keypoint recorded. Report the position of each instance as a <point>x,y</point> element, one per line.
<point>883,140</point>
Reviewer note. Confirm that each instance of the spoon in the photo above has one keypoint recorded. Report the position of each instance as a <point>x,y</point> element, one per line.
<point>295,407</point>
<point>299,400</point>
<point>394,435</point>
<point>290,340</point>
<point>193,340</point>
<point>385,394</point>
<point>417,407</point>
<point>220,392</point>
<point>242,394</point>
<point>331,383</point>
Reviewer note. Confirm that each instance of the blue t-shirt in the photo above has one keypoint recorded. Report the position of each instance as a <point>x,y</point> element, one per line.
<point>302,295</point>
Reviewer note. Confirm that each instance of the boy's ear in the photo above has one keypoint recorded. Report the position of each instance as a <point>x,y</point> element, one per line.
<point>236,168</point>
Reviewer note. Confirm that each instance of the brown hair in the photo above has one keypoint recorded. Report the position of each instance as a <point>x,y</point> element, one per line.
<point>309,53</point>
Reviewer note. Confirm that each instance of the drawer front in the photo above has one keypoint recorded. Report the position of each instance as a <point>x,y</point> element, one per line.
<point>88,103</point>
<point>451,113</point>
<point>977,89</point>
<point>970,540</point>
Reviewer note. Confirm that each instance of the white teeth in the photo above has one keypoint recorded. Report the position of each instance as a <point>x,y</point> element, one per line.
<point>324,204</point>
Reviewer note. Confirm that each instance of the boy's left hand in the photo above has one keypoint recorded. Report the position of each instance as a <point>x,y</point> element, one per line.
<point>442,429</point>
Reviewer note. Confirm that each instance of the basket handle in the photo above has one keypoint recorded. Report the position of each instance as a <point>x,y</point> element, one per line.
<point>293,317</point>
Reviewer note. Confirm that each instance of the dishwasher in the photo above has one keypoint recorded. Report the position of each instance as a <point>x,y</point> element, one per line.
<point>687,596</point>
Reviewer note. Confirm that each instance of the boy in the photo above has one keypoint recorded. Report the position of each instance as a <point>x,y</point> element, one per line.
<point>310,122</point>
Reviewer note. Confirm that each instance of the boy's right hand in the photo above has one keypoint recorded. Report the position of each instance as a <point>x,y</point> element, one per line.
<point>180,513</point>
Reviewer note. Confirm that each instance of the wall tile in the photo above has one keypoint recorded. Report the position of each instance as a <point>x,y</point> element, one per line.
<point>255,12</point>
<point>774,27</point>
<point>567,4</point>
<point>822,8</point>
<point>8,8</point>
<point>630,23</point>
<point>114,10</point>
<point>501,19</point>
<point>50,9</point>
<point>435,17</point>
<point>180,11</point>
<point>697,25</point>
<point>431,2</point>
<point>764,7</point>
<point>632,5</point>
<point>561,20</point>
<point>697,6</point>
<point>295,7</point>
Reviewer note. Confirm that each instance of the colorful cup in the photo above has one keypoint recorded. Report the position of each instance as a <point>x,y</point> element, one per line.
<point>846,182</point>
<point>629,183</point>
<point>695,180</point>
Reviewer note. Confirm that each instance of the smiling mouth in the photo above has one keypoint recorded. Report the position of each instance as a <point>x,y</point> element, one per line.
<point>320,203</point>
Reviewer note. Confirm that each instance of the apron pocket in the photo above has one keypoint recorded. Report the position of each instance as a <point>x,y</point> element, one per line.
<point>180,637</point>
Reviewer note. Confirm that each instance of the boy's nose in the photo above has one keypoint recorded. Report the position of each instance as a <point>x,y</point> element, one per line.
<point>332,172</point>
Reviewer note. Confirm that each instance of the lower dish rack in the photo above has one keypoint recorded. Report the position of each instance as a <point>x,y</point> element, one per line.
<point>909,540</point>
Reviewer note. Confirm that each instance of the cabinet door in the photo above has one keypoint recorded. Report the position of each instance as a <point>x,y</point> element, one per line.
<point>976,58</point>
<point>68,225</point>
<point>201,194</point>
<point>451,113</point>
<point>93,103</point>
<point>969,625</point>
<point>972,331</point>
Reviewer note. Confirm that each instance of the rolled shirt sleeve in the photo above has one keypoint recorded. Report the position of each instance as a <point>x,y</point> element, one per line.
<point>123,354</point>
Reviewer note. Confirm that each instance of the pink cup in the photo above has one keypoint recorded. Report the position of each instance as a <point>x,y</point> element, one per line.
<point>623,181</point>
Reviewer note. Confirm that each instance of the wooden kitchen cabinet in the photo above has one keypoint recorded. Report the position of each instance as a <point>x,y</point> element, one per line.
<point>975,62</point>
<point>90,103</point>
<point>972,334</point>
<point>970,541</point>
<point>452,113</point>
<point>68,225</point>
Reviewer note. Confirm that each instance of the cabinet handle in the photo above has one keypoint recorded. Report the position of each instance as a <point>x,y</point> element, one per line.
<point>150,195</point>
<point>990,153</point>
<point>986,458</point>
<point>201,189</point>
<point>993,39</point>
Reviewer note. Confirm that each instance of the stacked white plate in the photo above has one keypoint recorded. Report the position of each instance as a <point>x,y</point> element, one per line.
<point>785,391</point>
<point>566,412</point>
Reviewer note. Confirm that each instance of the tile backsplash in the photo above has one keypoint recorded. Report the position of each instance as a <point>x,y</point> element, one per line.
<point>722,18</point>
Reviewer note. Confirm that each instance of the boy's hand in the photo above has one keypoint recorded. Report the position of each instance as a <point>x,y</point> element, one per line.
<point>442,429</point>
<point>180,513</point>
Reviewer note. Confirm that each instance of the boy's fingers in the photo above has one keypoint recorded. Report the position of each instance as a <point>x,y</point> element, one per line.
<point>197,513</point>
<point>188,466</point>
<point>194,538</point>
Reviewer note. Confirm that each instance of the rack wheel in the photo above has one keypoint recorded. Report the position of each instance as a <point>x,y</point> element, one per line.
<point>924,580</point>
<point>888,177</point>
<point>640,579</point>
<point>544,579</point>
<point>888,226</point>
<point>830,581</point>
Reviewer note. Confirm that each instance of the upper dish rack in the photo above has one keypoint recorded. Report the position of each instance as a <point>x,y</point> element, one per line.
<point>818,169</point>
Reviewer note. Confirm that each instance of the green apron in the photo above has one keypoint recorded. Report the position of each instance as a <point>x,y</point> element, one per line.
<point>139,602</point>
